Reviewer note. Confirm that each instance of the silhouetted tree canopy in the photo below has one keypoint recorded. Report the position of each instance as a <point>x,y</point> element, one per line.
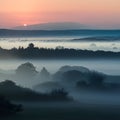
<point>14,92</point>
<point>44,75</point>
<point>44,72</point>
<point>32,52</point>
<point>73,75</point>
<point>31,46</point>
<point>59,93</point>
<point>96,79</point>
<point>26,69</point>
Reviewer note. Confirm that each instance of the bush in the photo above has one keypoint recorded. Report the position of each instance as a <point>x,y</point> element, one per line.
<point>8,108</point>
<point>59,94</point>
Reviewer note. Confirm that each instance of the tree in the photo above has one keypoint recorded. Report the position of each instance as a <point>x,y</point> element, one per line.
<point>59,94</point>
<point>26,69</point>
<point>31,46</point>
<point>44,74</point>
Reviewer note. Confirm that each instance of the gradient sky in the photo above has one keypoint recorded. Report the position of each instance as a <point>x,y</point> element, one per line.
<point>96,13</point>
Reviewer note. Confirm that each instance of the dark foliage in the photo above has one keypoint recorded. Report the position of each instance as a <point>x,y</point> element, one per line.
<point>10,90</point>
<point>32,52</point>
<point>96,79</point>
<point>8,108</point>
<point>59,94</point>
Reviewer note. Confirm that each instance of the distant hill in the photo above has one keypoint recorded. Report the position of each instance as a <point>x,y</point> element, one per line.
<point>53,26</point>
<point>48,33</point>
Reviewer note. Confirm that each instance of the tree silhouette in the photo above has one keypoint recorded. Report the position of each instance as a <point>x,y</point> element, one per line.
<point>31,46</point>
<point>59,94</point>
<point>59,52</point>
<point>17,93</point>
<point>26,69</point>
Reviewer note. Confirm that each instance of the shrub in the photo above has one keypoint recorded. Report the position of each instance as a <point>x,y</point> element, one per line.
<point>8,108</point>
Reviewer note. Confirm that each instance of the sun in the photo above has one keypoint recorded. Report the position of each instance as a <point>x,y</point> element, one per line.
<point>25,25</point>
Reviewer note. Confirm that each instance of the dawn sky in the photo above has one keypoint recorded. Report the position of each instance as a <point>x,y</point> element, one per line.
<point>96,13</point>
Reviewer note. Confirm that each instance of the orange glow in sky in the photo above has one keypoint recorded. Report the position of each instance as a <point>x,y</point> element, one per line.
<point>97,13</point>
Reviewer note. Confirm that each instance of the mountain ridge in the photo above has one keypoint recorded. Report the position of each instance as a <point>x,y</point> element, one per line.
<point>52,26</point>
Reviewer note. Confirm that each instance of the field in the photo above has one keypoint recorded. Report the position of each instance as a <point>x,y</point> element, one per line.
<point>67,111</point>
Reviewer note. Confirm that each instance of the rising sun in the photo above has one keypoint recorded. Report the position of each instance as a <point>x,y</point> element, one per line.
<point>25,25</point>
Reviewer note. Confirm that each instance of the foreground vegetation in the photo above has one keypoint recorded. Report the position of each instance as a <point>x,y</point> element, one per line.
<point>9,90</point>
<point>63,112</point>
<point>16,93</point>
<point>32,52</point>
<point>7,108</point>
<point>56,104</point>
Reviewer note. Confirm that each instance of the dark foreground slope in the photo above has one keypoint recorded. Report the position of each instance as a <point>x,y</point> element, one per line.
<point>67,111</point>
<point>16,93</point>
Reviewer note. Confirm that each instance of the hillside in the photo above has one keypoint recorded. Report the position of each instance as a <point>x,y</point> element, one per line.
<point>53,26</point>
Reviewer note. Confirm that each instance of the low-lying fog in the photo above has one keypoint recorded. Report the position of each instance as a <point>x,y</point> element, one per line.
<point>110,66</point>
<point>67,42</point>
<point>82,83</point>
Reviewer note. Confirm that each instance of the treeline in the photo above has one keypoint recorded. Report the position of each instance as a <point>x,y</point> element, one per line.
<point>32,52</point>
